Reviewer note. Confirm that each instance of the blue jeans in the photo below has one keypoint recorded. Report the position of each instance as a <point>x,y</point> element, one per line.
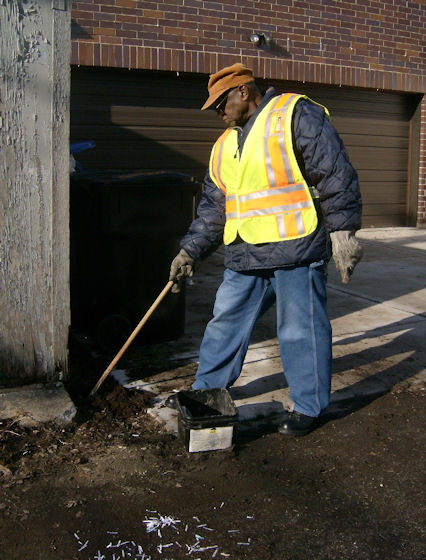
<point>303,330</point>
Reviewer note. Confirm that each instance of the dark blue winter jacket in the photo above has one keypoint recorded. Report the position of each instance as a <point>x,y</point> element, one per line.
<point>326,166</point>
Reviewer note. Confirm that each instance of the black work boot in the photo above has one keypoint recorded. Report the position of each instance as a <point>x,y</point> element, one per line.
<point>298,424</point>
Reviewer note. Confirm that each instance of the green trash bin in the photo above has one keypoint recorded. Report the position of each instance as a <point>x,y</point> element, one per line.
<point>125,231</point>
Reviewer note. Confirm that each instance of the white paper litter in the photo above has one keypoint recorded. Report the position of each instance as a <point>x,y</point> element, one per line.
<point>164,528</point>
<point>157,523</point>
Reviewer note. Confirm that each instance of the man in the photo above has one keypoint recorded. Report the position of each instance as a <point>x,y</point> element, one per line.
<point>281,194</point>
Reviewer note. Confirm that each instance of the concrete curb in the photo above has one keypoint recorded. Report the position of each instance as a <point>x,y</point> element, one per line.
<point>37,404</point>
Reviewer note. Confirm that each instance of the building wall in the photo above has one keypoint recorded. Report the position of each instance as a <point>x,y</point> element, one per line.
<point>35,47</point>
<point>421,217</point>
<point>358,43</point>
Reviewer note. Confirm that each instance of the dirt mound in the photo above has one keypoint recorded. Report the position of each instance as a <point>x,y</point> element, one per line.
<point>121,403</point>
<point>113,416</point>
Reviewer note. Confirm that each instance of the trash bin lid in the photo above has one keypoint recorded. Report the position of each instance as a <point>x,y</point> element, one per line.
<point>135,177</point>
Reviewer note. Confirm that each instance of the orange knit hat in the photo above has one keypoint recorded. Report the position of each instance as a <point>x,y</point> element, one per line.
<point>225,79</point>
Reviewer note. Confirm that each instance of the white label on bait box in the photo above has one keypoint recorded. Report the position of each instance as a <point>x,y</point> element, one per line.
<point>209,439</point>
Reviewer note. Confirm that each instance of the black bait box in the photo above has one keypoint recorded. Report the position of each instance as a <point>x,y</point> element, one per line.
<point>206,419</point>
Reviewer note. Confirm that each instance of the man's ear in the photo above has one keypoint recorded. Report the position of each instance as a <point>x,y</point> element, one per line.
<point>244,92</point>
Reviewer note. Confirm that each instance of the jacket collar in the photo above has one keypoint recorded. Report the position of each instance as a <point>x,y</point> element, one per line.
<point>269,94</point>
<point>243,132</point>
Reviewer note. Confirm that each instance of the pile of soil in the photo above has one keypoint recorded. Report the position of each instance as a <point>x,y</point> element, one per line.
<point>110,417</point>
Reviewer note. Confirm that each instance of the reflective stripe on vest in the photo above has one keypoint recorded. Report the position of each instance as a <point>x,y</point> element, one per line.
<point>267,198</point>
<point>216,160</point>
<point>277,161</point>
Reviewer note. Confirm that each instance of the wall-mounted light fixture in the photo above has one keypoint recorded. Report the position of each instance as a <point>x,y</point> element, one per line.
<point>259,39</point>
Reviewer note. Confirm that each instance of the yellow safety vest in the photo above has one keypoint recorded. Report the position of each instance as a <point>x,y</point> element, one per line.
<point>267,197</point>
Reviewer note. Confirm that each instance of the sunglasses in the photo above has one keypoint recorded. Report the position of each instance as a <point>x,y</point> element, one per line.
<point>220,107</point>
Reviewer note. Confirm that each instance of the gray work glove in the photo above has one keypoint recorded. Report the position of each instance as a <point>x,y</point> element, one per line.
<point>182,265</point>
<point>347,253</point>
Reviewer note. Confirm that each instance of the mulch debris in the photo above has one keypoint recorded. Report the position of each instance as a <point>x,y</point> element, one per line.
<point>111,416</point>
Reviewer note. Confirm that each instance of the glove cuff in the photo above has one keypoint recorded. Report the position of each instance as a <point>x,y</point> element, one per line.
<point>185,255</point>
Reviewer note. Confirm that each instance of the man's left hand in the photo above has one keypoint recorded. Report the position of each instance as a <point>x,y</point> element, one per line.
<point>182,265</point>
<point>347,253</point>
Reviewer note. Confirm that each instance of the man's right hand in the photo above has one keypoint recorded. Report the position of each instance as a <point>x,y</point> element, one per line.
<point>347,253</point>
<point>182,265</point>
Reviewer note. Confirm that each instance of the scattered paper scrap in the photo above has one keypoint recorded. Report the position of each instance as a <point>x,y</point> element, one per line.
<point>165,528</point>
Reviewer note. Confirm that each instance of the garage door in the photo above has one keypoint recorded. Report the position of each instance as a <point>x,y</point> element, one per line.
<point>142,120</point>
<point>375,128</point>
<point>152,120</point>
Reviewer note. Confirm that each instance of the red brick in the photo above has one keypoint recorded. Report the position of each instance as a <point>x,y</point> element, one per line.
<point>133,58</point>
<point>85,54</point>
<point>154,58</point>
<point>111,40</point>
<point>74,53</point>
<point>118,55</point>
<point>97,54</point>
<point>84,6</point>
<point>104,31</point>
<point>126,3</point>
<point>126,18</point>
<point>83,27</point>
<point>82,14</point>
<point>153,13</point>
<point>104,17</point>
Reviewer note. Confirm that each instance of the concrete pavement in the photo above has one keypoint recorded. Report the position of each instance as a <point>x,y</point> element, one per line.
<point>36,404</point>
<point>379,328</point>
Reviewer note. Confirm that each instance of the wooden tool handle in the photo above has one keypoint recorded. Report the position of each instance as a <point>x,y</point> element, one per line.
<point>132,336</point>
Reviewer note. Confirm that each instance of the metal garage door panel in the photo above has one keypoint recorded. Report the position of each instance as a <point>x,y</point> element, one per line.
<point>371,157</point>
<point>152,120</point>
<point>179,157</point>
<point>158,134</point>
<point>391,195</point>
<point>142,120</point>
<point>372,126</point>
<point>375,129</point>
<point>375,141</point>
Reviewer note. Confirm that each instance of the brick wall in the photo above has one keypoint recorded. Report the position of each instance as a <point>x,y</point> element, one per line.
<point>361,43</point>
<point>421,213</point>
